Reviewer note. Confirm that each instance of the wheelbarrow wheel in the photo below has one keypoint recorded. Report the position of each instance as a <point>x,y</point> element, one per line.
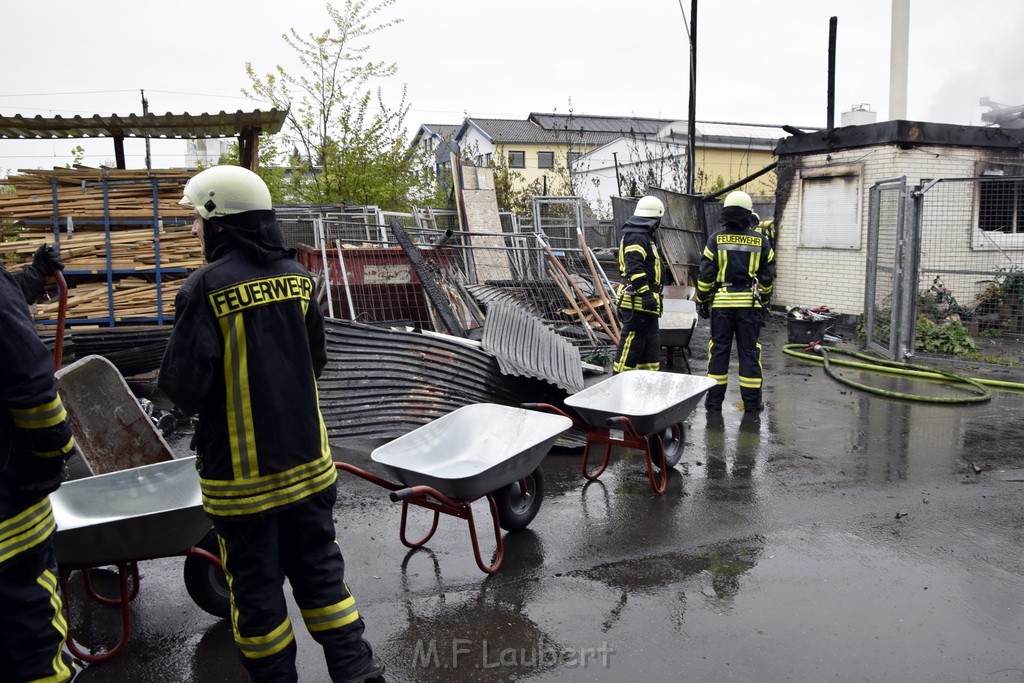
<point>519,502</point>
<point>673,439</point>
<point>205,581</point>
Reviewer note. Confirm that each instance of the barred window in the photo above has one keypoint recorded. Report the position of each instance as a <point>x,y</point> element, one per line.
<point>1000,200</point>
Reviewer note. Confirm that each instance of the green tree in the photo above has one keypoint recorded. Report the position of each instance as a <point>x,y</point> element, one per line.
<point>347,144</point>
<point>77,156</point>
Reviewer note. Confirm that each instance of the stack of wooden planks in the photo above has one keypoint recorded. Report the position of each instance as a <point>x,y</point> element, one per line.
<point>80,194</point>
<point>134,297</point>
<point>141,210</point>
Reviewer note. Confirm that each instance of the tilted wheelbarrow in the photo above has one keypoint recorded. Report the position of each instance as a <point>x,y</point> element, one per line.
<point>484,450</point>
<point>122,518</point>
<point>141,504</point>
<point>639,409</point>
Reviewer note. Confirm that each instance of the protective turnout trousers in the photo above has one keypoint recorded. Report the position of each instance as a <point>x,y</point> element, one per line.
<point>744,324</point>
<point>32,625</point>
<point>258,552</point>
<point>639,342</point>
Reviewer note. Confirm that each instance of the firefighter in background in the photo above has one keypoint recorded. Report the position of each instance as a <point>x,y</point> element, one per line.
<point>247,345</point>
<point>766,228</point>
<point>35,444</point>
<point>737,270</point>
<point>639,297</point>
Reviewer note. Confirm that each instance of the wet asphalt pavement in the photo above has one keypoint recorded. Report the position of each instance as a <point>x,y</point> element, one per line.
<point>837,536</point>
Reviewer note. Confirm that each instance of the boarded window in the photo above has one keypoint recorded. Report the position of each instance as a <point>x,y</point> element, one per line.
<point>830,211</point>
<point>545,159</point>
<point>517,159</point>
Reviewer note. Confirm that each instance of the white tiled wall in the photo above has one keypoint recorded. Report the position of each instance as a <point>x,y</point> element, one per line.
<point>835,277</point>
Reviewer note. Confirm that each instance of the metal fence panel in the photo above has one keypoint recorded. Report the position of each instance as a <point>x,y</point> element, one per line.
<point>888,324</point>
<point>972,253</point>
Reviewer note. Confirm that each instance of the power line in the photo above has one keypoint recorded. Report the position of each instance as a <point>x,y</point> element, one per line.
<point>82,92</point>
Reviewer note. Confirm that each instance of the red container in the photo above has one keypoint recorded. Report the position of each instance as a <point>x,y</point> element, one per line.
<point>378,284</point>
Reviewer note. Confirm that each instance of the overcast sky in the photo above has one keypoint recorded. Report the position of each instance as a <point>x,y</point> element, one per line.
<point>758,61</point>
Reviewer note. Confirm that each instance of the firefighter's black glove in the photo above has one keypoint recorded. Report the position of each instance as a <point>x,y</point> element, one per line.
<point>46,260</point>
<point>650,302</point>
<point>704,309</point>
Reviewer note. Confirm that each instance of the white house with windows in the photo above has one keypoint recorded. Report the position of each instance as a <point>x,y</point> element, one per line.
<point>437,141</point>
<point>971,222</point>
<point>724,154</point>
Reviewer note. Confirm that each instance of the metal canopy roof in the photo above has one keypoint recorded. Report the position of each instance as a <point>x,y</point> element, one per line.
<point>171,126</point>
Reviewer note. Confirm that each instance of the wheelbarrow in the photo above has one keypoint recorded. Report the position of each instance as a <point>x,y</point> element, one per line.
<point>678,321</point>
<point>639,409</point>
<point>484,450</point>
<point>122,518</point>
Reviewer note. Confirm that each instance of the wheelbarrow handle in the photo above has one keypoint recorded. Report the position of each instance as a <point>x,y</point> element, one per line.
<point>402,494</point>
<point>548,408</point>
<point>62,310</point>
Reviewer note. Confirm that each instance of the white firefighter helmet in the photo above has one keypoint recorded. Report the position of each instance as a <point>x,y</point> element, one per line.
<point>740,199</point>
<point>226,190</point>
<point>649,207</point>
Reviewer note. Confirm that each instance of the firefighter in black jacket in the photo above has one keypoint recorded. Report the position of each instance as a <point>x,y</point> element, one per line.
<point>247,346</point>
<point>639,297</point>
<point>35,443</point>
<point>737,270</point>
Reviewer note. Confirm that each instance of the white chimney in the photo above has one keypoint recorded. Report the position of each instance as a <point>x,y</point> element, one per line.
<point>899,49</point>
<point>859,115</point>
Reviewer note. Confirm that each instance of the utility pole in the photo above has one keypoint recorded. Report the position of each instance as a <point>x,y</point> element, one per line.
<point>618,180</point>
<point>830,105</point>
<point>145,110</point>
<point>691,124</point>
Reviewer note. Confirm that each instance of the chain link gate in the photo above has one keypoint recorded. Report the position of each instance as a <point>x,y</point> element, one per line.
<point>890,292</point>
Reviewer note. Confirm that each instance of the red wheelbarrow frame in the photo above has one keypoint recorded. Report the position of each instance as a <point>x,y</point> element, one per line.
<point>628,437</point>
<point>128,591</point>
<point>432,499</point>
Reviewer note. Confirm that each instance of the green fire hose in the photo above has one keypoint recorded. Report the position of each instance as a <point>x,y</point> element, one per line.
<point>978,389</point>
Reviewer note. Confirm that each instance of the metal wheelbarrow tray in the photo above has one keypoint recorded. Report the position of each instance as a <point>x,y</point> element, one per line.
<point>640,409</point>
<point>651,400</point>
<point>139,513</point>
<point>124,517</point>
<point>480,450</point>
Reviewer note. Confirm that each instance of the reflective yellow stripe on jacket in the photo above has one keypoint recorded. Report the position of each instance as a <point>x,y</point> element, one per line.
<point>26,530</point>
<point>258,494</point>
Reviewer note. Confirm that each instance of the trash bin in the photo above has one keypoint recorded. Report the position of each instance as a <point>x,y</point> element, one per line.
<point>806,331</point>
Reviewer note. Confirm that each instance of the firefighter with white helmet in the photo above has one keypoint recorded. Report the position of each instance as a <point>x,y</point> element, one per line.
<point>639,295</point>
<point>737,271</point>
<point>247,346</point>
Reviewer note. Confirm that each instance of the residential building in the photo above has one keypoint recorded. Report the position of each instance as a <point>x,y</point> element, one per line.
<point>725,153</point>
<point>544,147</point>
<point>437,141</point>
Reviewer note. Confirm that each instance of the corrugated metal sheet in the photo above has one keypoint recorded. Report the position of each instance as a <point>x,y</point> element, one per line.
<point>168,125</point>
<point>383,383</point>
<point>524,296</point>
<point>133,350</point>
<point>524,346</point>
